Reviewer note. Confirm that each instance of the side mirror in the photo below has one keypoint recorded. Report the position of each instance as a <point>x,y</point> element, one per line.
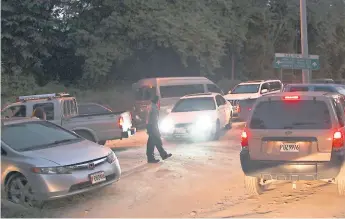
<point>229,92</point>
<point>264,91</point>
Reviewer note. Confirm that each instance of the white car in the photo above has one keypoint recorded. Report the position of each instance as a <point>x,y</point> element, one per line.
<point>252,90</point>
<point>197,117</point>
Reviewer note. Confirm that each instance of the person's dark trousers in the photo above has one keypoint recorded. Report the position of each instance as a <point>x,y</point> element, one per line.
<point>153,141</point>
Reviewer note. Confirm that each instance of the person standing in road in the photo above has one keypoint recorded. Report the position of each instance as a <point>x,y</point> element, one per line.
<point>154,139</point>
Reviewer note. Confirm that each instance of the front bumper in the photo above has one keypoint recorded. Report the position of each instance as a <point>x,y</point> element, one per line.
<point>290,170</point>
<point>55,186</point>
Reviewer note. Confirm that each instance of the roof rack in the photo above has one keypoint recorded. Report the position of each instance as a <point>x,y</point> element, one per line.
<point>43,96</point>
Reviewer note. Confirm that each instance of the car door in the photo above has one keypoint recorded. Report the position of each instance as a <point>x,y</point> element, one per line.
<point>221,110</point>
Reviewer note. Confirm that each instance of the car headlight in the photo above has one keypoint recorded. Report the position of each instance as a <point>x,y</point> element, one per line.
<point>167,125</point>
<point>52,170</point>
<point>203,123</point>
<point>111,157</point>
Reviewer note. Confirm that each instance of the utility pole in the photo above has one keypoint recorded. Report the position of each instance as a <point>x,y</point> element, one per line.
<point>232,66</point>
<point>304,38</point>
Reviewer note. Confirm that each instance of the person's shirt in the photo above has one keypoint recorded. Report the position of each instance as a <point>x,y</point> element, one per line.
<point>153,115</point>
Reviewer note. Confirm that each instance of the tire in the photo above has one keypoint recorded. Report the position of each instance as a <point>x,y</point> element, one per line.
<point>18,190</point>
<point>229,125</point>
<point>253,186</point>
<point>85,134</point>
<point>340,181</point>
<point>217,132</point>
<point>102,142</point>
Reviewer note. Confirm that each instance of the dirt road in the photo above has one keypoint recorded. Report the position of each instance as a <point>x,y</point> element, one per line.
<point>200,180</point>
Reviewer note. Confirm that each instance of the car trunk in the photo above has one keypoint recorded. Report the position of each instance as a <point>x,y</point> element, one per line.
<point>291,131</point>
<point>292,145</point>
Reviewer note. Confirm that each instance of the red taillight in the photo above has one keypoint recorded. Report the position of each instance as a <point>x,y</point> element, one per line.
<point>291,97</point>
<point>238,108</point>
<point>249,109</point>
<point>244,139</point>
<point>338,139</point>
<point>120,122</point>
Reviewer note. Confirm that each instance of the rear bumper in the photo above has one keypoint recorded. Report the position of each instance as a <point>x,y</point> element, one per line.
<point>128,133</point>
<point>292,171</point>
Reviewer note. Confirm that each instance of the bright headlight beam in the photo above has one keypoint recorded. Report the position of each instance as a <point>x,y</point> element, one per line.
<point>166,125</point>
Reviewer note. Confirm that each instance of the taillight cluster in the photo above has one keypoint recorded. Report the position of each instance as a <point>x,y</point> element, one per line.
<point>244,139</point>
<point>120,122</point>
<point>338,139</point>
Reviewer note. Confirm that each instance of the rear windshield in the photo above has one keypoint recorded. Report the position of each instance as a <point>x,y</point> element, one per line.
<point>296,89</point>
<point>304,114</point>
<point>194,104</point>
<point>90,109</point>
<point>145,93</point>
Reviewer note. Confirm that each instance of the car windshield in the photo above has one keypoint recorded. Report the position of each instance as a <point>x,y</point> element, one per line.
<point>246,89</point>
<point>195,104</point>
<point>304,114</point>
<point>35,135</point>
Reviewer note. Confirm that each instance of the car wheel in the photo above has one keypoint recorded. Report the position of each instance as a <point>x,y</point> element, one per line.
<point>253,185</point>
<point>19,191</point>
<point>229,125</point>
<point>87,135</point>
<point>102,142</point>
<point>340,181</point>
<point>217,131</point>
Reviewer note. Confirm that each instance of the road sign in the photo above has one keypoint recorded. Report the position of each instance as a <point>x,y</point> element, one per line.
<point>296,61</point>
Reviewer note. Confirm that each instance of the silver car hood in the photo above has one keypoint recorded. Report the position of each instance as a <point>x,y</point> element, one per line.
<point>70,153</point>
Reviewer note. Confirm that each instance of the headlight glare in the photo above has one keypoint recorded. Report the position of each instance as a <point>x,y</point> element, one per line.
<point>167,125</point>
<point>203,122</point>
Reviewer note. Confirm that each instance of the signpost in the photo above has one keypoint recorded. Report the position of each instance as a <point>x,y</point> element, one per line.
<point>296,61</point>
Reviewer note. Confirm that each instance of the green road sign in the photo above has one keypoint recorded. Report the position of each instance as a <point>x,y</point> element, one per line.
<point>296,61</point>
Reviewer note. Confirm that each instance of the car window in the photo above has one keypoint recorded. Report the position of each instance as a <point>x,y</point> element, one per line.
<point>218,101</point>
<point>340,89</point>
<point>194,104</point>
<point>214,88</point>
<point>181,90</point>
<point>265,86</point>
<point>338,105</point>
<point>297,89</point>
<point>246,89</point>
<point>85,109</point>
<point>48,109</point>
<point>35,135</point>
<point>15,111</point>
<point>275,86</point>
<point>145,93</point>
<point>324,88</point>
<point>303,114</point>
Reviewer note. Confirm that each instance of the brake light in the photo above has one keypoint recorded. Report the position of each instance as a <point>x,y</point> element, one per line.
<point>249,109</point>
<point>244,139</point>
<point>338,139</point>
<point>291,97</point>
<point>238,108</point>
<point>120,122</point>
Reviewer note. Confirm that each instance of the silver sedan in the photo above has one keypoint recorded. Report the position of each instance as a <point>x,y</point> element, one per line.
<point>42,161</point>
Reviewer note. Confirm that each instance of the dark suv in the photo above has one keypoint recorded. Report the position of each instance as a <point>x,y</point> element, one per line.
<point>294,136</point>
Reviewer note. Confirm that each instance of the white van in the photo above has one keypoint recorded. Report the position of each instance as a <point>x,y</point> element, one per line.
<point>252,90</point>
<point>169,90</point>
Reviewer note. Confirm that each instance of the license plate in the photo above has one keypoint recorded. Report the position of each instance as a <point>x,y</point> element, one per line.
<point>289,147</point>
<point>97,177</point>
<point>180,131</point>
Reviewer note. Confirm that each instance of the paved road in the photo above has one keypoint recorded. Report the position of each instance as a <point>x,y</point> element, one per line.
<point>200,180</point>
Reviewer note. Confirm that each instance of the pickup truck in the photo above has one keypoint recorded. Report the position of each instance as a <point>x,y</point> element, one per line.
<point>62,109</point>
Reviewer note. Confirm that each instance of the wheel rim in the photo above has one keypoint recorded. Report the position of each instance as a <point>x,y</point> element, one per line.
<point>20,191</point>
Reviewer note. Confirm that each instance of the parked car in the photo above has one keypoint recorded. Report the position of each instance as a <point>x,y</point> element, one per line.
<point>252,89</point>
<point>294,136</point>
<point>197,117</point>
<point>62,109</point>
<point>169,90</point>
<point>42,161</point>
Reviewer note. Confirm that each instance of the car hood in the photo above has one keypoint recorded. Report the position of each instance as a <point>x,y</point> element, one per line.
<point>240,96</point>
<point>70,153</point>
<point>190,117</point>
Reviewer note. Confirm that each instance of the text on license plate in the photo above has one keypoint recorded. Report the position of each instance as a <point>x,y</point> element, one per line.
<point>289,147</point>
<point>97,177</point>
<point>180,130</point>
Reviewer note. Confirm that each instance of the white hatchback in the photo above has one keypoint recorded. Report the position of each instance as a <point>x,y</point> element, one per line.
<point>197,117</point>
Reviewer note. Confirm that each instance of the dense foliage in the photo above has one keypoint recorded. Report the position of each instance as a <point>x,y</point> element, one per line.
<point>91,42</point>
